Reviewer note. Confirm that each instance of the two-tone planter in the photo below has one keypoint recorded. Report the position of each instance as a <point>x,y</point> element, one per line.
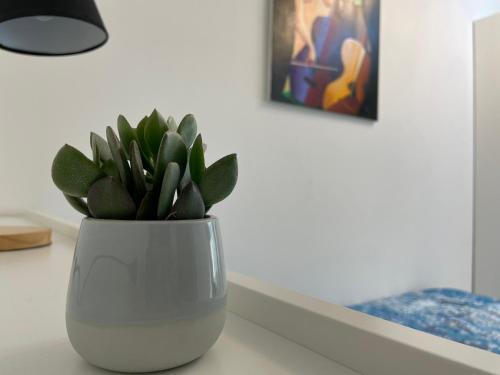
<point>146,295</point>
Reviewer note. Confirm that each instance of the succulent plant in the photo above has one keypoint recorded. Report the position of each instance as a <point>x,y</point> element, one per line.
<point>155,171</point>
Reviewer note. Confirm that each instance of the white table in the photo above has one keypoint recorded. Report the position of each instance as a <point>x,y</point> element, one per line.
<point>33,335</point>
<point>269,330</point>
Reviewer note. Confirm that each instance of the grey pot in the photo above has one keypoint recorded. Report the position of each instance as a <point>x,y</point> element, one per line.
<point>146,295</point>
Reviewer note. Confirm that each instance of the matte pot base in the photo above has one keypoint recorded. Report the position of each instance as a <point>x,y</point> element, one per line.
<point>148,347</point>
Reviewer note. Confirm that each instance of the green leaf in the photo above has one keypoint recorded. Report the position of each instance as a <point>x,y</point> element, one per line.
<point>171,124</point>
<point>219,180</point>
<point>119,157</point>
<point>73,173</point>
<point>109,167</point>
<point>189,205</point>
<point>197,160</point>
<point>186,178</point>
<point>188,129</point>
<point>108,199</point>
<point>95,153</point>
<point>127,134</point>
<point>156,127</point>
<point>168,187</point>
<point>143,145</point>
<point>141,136</point>
<point>78,204</point>
<point>101,147</point>
<point>147,209</point>
<point>172,149</point>
<point>137,171</point>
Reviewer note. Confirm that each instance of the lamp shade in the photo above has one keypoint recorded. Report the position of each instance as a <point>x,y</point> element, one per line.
<point>51,27</point>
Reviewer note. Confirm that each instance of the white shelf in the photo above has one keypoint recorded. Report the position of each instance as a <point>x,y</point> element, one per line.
<point>33,334</point>
<point>269,330</point>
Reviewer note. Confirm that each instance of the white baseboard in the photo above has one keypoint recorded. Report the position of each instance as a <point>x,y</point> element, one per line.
<point>62,226</point>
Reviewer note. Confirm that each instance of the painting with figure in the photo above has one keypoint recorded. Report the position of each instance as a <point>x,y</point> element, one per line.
<point>325,55</point>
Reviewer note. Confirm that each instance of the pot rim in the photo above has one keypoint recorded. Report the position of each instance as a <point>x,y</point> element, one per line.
<point>209,218</point>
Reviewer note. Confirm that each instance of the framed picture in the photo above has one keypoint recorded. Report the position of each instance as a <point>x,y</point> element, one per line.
<point>325,55</point>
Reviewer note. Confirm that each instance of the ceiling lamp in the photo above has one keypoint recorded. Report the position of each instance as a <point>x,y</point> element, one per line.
<point>50,27</point>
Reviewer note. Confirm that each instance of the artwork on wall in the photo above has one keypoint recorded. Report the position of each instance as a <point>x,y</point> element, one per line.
<point>325,55</point>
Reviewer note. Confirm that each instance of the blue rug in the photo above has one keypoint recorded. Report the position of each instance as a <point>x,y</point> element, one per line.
<point>453,314</point>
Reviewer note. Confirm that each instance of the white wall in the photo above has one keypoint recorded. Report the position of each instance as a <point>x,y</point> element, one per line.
<point>487,192</point>
<point>338,208</point>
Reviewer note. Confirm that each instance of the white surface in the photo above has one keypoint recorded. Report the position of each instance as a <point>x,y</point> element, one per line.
<point>361,342</point>
<point>33,336</point>
<point>487,193</point>
<point>358,341</point>
<point>341,209</point>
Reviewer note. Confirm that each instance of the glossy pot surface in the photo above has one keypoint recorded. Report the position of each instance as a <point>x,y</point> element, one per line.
<point>146,295</point>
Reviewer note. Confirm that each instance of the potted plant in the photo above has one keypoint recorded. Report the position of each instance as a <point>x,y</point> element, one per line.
<point>147,289</point>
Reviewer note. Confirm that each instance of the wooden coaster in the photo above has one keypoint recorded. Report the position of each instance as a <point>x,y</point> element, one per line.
<point>16,238</point>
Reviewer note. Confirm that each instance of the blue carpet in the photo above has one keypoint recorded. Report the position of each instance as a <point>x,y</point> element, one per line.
<point>453,314</point>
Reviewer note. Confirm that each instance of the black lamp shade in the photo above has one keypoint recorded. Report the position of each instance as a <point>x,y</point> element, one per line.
<point>50,27</point>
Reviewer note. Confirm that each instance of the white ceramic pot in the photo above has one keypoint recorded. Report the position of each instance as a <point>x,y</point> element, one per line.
<point>146,295</point>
